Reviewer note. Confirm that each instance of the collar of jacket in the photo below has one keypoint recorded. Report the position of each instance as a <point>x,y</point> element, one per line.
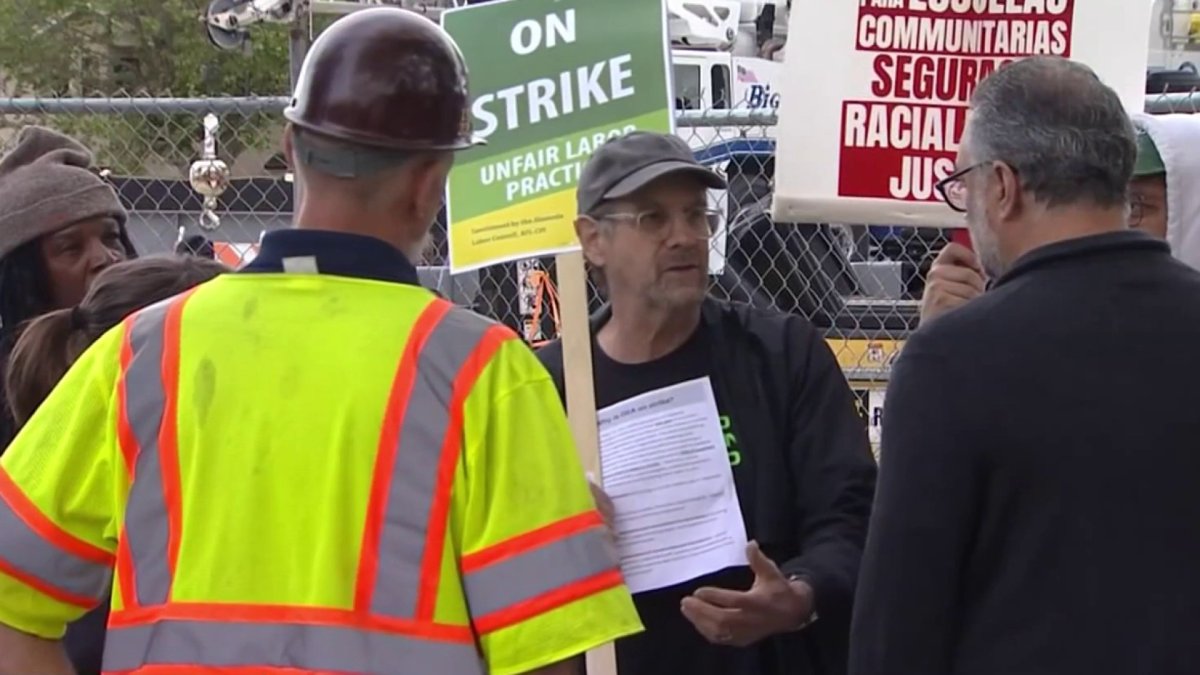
<point>334,253</point>
<point>736,346</point>
<point>1122,241</point>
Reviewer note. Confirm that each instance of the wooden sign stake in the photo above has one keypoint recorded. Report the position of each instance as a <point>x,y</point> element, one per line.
<point>581,395</point>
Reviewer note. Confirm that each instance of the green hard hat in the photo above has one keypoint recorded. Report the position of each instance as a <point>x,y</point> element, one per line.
<point>1149,161</point>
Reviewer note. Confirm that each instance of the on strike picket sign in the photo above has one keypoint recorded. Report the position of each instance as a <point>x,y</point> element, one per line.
<point>876,93</point>
<point>551,80</point>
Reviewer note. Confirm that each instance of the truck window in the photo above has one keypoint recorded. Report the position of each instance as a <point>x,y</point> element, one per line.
<point>688,93</point>
<point>720,86</point>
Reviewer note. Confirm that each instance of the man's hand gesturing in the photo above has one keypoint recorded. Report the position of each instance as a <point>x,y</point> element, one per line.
<point>773,605</point>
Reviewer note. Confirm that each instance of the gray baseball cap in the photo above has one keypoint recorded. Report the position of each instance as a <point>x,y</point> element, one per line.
<point>628,163</point>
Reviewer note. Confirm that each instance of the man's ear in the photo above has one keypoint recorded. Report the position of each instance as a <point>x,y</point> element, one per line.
<point>288,147</point>
<point>589,233</point>
<point>429,175</point>
<point>1007,195</point>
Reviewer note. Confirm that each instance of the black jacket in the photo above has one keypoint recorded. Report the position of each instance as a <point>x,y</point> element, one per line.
<point>814,476</point>
<point>1039,495</point>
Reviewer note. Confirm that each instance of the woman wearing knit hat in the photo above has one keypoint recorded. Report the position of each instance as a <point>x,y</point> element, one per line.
<point>60,226</point>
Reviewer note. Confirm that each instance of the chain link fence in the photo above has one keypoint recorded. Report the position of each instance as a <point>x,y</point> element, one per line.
<point>146,146</point>
<point>861,285</point>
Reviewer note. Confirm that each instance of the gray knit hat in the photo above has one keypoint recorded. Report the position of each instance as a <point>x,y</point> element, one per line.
<point>46,184</point>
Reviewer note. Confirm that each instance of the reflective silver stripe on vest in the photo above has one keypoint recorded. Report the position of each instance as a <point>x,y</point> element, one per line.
<point>419,448</point>
<point>146,522</point>
<point>300,646</point>
<point>29,553</point>
<point>538,571</point>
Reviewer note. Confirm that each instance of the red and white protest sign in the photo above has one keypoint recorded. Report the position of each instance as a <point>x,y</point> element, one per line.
<point>875,93</point>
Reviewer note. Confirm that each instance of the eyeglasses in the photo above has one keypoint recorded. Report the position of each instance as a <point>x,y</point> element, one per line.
<point>701,222</point>
<point>953,189</point>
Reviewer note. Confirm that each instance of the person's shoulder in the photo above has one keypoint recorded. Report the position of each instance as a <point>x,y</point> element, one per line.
<point>983,311</point>
<point>105,353</point>
<point>471,321</point>
<point>493,339</point>
<point>957,340</point>
<point>506,363</point>
<point>1181,277</point>
<point>942,334</point>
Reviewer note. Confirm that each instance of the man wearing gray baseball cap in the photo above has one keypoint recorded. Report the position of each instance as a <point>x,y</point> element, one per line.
<point>625,165</point>
<point>800,457</point>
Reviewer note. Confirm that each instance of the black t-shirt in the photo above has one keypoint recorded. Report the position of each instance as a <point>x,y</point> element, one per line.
<point>670,644</point>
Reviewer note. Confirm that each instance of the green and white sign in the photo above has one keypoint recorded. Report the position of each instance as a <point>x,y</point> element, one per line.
<point>550,81</point>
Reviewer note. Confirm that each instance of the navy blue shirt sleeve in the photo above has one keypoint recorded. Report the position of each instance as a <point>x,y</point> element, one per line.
<point>834,470</point>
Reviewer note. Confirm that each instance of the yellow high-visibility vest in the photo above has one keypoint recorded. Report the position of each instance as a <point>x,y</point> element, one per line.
<point>310,472</point>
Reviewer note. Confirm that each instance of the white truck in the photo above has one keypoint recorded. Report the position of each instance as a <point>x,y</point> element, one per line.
<point>1175,35</point>
<point>727,55</point>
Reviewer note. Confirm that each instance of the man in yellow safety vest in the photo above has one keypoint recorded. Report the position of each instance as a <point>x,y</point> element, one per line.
<point>315,465</point>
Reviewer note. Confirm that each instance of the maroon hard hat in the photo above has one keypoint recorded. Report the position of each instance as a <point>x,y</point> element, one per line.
<point>387,78</point>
